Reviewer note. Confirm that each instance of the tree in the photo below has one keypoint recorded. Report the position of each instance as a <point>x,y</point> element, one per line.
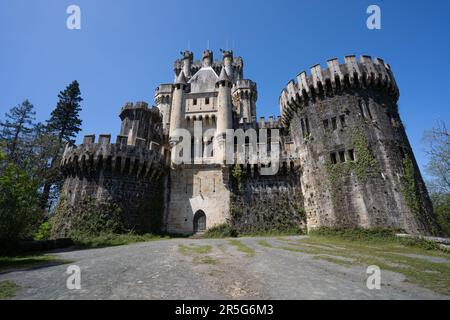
<point>17,132</point>
<point>438,169</point>
<point>19,203</point>
<point>63,125</point>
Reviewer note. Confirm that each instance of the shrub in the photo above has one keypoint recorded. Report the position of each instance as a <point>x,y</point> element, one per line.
<point>220,231</point>
<point>19,204</point>
<point>89,218</point>
<point>44,231</point>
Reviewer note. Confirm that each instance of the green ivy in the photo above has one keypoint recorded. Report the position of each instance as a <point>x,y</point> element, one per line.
<point>410,187</point>
<point>365,163</point>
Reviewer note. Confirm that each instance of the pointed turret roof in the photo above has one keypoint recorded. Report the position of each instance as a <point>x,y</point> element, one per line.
<point>223,75</point>
<point>181,78</point>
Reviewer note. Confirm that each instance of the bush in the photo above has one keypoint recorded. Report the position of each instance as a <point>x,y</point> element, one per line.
<point>19,204</point>
<point>87,219</point>
<point>44,231</point>
<point>357,234</point>
<point>111,239</point>
<point>441,207</point>
<point>220,231</point>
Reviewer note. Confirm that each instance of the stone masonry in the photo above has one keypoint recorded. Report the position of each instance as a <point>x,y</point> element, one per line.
<point>344,157</point>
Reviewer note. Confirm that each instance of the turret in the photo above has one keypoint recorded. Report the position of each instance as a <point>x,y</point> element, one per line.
<point>140,122</point>
<point>227,57</point>
<point>188,58</point>
<point>207,58</point>
<point>245,95</point>
<point>163,98</point>
<point>178,107</point>
<point>224,112</point>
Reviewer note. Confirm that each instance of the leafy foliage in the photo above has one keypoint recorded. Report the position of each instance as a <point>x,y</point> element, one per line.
<point>17,134</point>
<point>19,199</point>
<point>88,218</point>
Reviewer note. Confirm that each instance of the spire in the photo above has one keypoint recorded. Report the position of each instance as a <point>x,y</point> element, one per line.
<point>181,78</point>
<point>223,75</point>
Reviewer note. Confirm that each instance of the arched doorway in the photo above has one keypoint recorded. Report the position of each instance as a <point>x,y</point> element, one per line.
<point>199,221</point>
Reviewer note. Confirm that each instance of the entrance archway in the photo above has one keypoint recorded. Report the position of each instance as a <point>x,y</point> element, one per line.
<point>199,221</point>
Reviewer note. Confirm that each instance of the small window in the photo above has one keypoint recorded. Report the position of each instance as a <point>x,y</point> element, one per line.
<point>342,156</point>
<point>342,119</point>
<point>307,126</point>
<point>206,100</point>
<point>368,112</point>
<point>334,123</point>
<point>195,102</point>
<point>351,154</point>
<point>302,124</point>
<point>325,124</point>
<point>333,158</point>
<point>361,110</point>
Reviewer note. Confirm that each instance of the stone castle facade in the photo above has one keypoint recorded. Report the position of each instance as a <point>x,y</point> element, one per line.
<point>344,157</point>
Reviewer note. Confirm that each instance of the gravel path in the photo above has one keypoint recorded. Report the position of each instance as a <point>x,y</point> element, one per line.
<point>159,270</point>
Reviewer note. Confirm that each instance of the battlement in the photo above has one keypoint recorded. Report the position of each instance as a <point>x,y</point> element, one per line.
<point>336,77</point>
<point>138,106</point>
<point>245,84</point>
<point>119,157</point>
<point>270,123</point>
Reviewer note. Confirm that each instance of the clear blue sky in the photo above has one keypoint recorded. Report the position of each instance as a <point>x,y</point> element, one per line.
<point>126,48</point>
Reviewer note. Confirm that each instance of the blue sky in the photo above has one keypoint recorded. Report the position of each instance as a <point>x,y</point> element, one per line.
<point>126,48</point>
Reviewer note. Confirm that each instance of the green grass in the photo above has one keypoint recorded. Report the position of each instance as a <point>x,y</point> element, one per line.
<point>204,260</point>
<point>225,231</point>
<point>7,289</point>
<point>273,233</point>
<point>242,247</point>
<point>194,249</point>
<point>377,248</point>
<point>264,243</point>
<point>24,262</point>
<point>198,253</point>
<point>111,239</point>
<point>220,231</point>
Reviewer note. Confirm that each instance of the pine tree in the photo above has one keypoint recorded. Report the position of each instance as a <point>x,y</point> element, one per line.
<point>17,132</point>
<point>65,122</point>
<point>63,125</point>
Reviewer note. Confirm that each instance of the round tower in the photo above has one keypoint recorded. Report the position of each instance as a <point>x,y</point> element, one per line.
<point>227,58</point>
<point>358,168</point>
<point>245,95</point>
<point>207,58</point>
<point>178,107</point>
<point>113,178</point>
<point>188,58</point>
<point>224,111</point>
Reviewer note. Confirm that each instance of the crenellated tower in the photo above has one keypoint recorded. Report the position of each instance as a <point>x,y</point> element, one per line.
<point>358,168</point>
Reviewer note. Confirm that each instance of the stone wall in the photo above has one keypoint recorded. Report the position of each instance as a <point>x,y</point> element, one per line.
<point>353,152</point>
<point>131,177</point>
<point>194,188</point>
<point>266,203</point>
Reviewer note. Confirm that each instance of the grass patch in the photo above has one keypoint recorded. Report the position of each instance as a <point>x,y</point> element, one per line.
<point>220,231</point>
<point>264,243</point>
<point>198,253</point>
<point>242,247</point>
<point>226,231</point>
<point>193,249</point>
<point>204,260</point>
<point>112,239</point>
<point>7,289</point>
<point>23,262</point>
<point>386,252</point>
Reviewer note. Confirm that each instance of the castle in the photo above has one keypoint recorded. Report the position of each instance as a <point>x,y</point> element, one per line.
<point>343,157</point>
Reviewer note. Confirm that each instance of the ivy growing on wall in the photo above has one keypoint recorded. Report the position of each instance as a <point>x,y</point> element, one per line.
<point>364,164</point>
